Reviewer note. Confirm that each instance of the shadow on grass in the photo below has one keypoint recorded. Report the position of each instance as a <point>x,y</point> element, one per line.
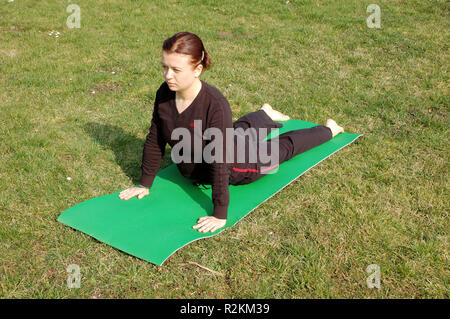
<point>128,149</point>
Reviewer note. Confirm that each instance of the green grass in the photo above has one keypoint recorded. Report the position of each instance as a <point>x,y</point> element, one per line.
<point>383,200</point>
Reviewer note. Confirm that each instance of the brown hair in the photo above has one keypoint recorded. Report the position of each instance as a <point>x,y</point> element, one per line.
<point>190,44</point>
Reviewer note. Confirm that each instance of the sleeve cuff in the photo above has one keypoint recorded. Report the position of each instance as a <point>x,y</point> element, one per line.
<point>220,212</point>
<point>147,180</point>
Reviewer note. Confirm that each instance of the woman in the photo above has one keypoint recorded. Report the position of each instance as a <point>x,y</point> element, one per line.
<point>184,101</point>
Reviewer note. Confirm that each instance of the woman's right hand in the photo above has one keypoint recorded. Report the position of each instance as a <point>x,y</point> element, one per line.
<point>134,191</point>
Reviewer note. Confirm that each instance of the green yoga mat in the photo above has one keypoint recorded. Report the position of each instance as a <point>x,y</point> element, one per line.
<point>154,227</point>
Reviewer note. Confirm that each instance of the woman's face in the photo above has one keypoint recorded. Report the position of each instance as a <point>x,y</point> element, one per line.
<point>179,73</point>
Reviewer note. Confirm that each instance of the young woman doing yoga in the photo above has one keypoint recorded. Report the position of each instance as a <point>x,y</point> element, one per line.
<point>185,101</point>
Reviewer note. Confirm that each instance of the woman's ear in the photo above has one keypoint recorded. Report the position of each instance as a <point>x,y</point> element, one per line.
<point>198,70</point>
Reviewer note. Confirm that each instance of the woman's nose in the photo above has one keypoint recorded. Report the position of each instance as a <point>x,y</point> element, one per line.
<point>169,74</point>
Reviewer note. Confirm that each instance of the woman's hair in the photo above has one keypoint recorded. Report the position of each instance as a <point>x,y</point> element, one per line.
<point>190,44</point>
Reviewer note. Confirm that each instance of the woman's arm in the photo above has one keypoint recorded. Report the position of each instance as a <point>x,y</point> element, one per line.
<point>221,118</point>
<point>153,152</point>
<point>154,149</point>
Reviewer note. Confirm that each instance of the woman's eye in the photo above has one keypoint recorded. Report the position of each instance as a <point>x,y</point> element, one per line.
<point>165,68</point>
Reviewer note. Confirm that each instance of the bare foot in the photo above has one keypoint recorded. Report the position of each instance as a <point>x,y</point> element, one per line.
<point>335,129</point>
<point>273,114</point>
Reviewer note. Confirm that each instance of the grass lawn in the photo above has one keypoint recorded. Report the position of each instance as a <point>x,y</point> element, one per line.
<point>79,105</point>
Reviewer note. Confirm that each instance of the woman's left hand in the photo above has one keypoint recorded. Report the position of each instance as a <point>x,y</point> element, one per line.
<point>209,223</point>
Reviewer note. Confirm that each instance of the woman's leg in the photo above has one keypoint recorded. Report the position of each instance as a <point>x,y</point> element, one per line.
<point>245,172</point>
<point>290,143</point>
<point>257,119</point>
<point>296,142</point>
<point>299,141</point>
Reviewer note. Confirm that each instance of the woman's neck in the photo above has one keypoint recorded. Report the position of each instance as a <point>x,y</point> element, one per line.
<point>190,93</point>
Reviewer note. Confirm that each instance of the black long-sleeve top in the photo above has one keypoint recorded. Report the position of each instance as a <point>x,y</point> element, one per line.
<point>213,109</point>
